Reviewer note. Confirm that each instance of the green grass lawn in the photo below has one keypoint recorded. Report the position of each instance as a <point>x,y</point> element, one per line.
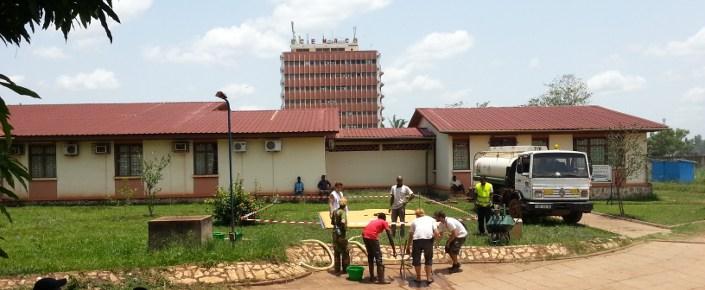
<point>671,204</point>
<point>65,238</point>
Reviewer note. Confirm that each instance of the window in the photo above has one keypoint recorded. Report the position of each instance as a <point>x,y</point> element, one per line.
<point>205,158</point>
<point>503,141</point>
<point>565,165</point>
<point>128,159</point>
<point>461,155</point>
<point>42,161</point>
<point>539,141</point>
<point>596,149</point>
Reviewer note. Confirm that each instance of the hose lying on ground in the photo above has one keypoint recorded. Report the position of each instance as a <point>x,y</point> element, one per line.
<point>327,249</point>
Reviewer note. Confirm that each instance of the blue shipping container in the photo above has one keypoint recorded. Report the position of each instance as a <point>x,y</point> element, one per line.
<point>682,171</point>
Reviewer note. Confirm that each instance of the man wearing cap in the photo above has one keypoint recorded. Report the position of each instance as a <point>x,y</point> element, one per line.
<point>456,237</point>
<point>49,284</point>
<point>423,232</point>
<point>400,195</point>
<point>370,235</point>
<point>339,220</point>
<point>483,191</point>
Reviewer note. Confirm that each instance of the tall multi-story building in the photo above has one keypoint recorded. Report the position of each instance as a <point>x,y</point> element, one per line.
<point>334,73</point>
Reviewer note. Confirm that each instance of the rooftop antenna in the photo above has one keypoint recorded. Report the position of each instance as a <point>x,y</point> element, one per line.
<point>293,33</point>
<point>354,32</point>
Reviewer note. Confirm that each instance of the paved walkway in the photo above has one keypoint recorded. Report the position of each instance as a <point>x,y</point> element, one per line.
<point>620,226</point>
<point>652,265</point>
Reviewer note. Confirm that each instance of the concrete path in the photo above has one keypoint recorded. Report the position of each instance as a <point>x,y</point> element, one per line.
<point>620,226</point>
<point>651,265</point>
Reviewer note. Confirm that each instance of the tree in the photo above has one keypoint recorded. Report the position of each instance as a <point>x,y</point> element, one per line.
<point>699,145</point>
<point>566,90</point>
<point>484,104</point>
<point>461,104</point>
<point>670,143</point>
<point>151,176</point>
<point>627,157</point>
<point>397,123</point>
<point>15,15</point>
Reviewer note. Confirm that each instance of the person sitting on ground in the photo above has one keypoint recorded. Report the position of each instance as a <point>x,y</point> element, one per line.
<point>423,232</point>
<point>49,284</point>
<point>370,235</point>
<point>456,237</point>
<point>400,195</point>
<point>324,187</point>
<point>298,188</point>
<point>334,198</point>
<point>456,186</point>
<point>341,255</point>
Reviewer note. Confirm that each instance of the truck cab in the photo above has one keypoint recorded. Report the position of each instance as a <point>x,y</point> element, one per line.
<point>537,181</point>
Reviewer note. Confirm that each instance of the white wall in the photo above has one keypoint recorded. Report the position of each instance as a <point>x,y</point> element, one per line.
<point>564,141</point>
<point>178,176</point>
<point>377,168</point>
<point>275,172</point>
<point>20,191</point>
<point>85,175</point>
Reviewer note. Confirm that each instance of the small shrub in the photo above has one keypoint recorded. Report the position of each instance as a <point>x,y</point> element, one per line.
<point>220,204</point>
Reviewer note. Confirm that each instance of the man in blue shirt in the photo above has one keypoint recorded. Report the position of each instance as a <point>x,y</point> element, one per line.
<point>298,188</point>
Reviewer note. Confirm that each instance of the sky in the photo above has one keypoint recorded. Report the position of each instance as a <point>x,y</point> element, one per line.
<point>645,58</point>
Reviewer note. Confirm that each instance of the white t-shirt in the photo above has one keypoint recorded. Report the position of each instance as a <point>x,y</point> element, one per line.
<point>453,224</point>
<point>423,228</point>
<point>336,201</point>
<point>400,195</point>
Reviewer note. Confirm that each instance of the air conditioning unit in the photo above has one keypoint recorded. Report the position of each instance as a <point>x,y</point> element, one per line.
<point>180,147</point>
<point>71,149</point>
<point>101,148</point>
<point>17,149</point>
<point>273,145</point>
<point>240,146</point>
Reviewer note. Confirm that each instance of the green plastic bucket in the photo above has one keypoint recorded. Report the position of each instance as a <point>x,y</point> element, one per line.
<point>355,273</point>
<point>218,236</point>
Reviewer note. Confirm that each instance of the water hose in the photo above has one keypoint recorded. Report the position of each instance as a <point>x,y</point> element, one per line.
<point>327,249</point>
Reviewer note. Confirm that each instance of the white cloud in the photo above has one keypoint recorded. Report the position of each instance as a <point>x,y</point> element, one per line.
<point>127,10</point>
<point>130,9</point>
<point>695,95</point>
<point>51,52</point>
<point>235,90</point>
<point>693,45</point>
<point>612,81</point>
<point>441,45</point>
<point>534,63</point>
<point>96,80</point>
<point>264,36</point>
<point>419,82</point>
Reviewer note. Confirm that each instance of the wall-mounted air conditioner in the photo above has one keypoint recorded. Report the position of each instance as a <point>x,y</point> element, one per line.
<point>240,146</point>
<point>180,147</point>
<point>71,149</point>
<point>101,148</point>
<point>273,145</point>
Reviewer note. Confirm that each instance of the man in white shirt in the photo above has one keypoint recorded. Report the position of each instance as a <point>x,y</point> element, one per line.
<point>423,232</point>
<point>400,195</point>
<point>334,198</point>
<point>456,237</point>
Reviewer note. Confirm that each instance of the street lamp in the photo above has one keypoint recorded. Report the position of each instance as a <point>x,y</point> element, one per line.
<point>231,235</point>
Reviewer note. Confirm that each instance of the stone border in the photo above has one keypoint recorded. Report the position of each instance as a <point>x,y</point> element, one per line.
<point>257,274</point>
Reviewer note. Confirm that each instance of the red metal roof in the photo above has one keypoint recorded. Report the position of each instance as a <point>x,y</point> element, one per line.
<point>384,133</point>
<point>516,119</point>
<point>163,118</point>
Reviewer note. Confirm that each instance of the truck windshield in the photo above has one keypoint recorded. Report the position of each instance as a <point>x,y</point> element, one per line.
<point>557,165</point>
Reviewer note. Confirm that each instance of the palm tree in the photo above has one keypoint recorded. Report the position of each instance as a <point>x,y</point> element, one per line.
<point>397,123</point>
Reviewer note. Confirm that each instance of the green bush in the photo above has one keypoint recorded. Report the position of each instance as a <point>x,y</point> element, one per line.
<point>220,205</point>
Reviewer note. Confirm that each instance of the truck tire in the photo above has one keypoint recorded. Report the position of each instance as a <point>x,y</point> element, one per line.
<point>573,217</point>
<point>514,208</point>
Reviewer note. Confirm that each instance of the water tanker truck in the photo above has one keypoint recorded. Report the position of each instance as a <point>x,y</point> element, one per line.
<point>533,181</point>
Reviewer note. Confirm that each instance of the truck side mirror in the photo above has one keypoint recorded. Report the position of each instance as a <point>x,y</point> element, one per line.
<point>525,173</point>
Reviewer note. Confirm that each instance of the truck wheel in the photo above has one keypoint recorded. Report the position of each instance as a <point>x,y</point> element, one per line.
<point>515,208</point>
<point>573,217</point>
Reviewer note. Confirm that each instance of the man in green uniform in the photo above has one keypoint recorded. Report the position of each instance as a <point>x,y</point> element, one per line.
<point>483,190</point>
<point>341,255</point>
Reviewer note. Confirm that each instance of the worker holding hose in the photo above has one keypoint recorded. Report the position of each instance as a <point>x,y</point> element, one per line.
<point>370,235</point>
<point>341,255</point>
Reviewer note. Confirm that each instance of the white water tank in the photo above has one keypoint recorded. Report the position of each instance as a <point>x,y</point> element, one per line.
<point>494,164</point>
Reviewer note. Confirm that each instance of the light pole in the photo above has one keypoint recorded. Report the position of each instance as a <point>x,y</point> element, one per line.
<point>231,235</point>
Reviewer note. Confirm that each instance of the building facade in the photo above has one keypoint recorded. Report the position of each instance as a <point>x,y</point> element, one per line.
<point>334,73</point>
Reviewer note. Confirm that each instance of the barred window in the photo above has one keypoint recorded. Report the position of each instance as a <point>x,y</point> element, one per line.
<point>128,159</point>
<point>503,141</point>
<point>205,157</point>
<point>539,141</point>
<point>404,146</point>
<point>361,147</point>
<point>42,160</point>
<point>595,148</point>
<point>461,155</point>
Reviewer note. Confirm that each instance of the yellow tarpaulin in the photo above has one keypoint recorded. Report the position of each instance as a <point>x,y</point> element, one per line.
<point>360,218</point>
